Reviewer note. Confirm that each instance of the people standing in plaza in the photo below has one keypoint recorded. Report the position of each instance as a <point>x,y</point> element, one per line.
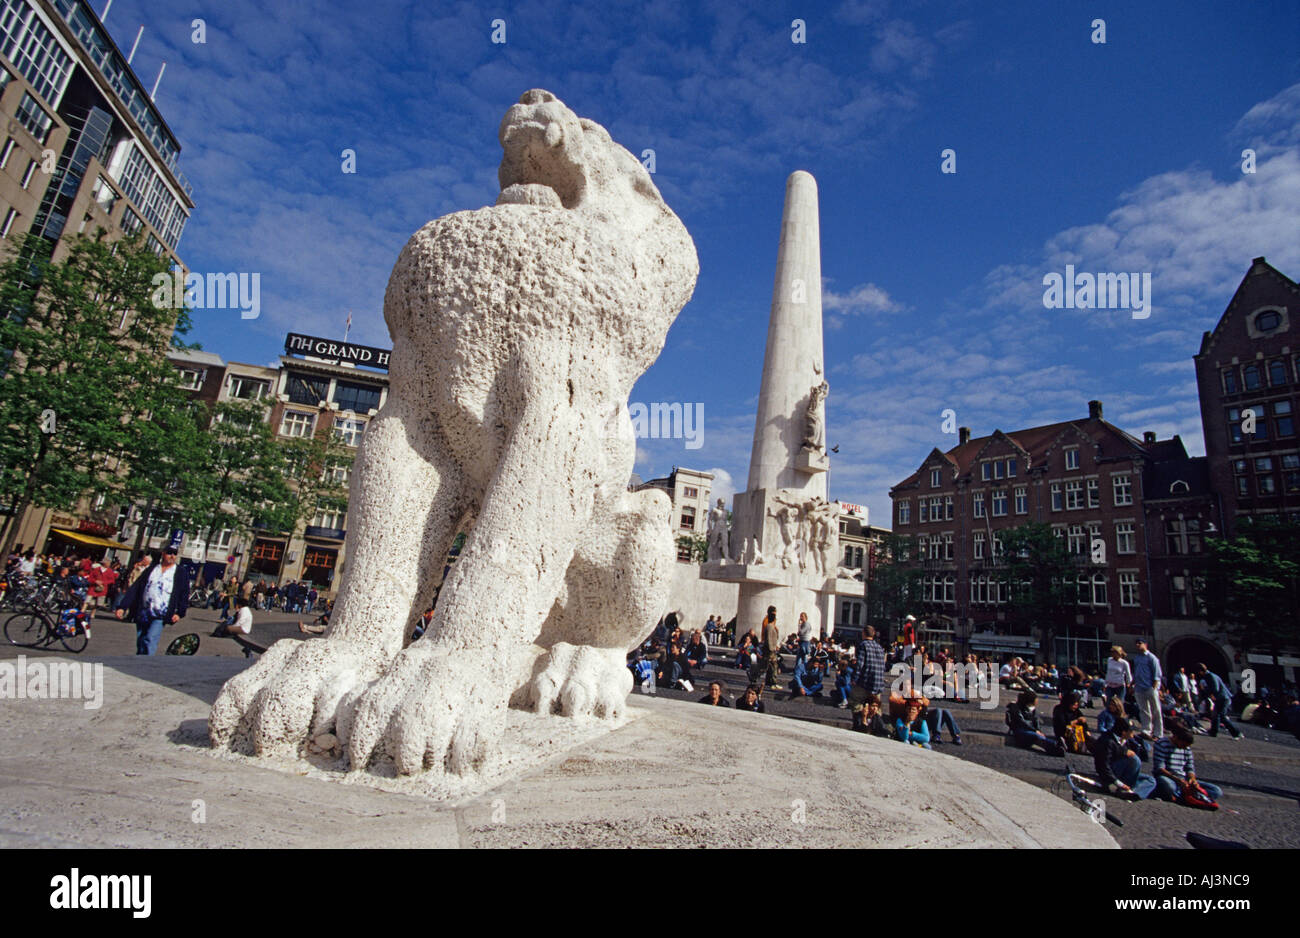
<point>869,672</point>
<point>805,635</point>
<point>142,563</point>
<point>1147,678</point>
<point>159,596</point>
<point>771,649</point>
<point>1215,690</point>
<point>1119,675</point>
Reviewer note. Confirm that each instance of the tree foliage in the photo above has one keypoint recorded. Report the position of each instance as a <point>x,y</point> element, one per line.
<point>84,363</point>
<point>1253,584</point>
<point>894,582</point>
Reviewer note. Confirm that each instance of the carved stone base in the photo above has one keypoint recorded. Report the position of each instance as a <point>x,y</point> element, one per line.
<point>743,572</point>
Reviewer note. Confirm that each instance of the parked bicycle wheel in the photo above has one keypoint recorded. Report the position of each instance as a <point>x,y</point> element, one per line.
<point>26,629</point>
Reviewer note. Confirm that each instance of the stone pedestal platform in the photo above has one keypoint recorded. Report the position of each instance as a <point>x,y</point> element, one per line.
<point>138,772</point>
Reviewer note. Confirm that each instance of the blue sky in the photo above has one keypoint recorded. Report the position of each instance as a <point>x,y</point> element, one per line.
<point>1117,157</point>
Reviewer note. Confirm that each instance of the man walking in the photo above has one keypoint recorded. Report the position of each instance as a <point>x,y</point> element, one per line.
<point>159,596</point>
<point>771,649</point>
<point>1214,688</point>
<point>1147,677</point>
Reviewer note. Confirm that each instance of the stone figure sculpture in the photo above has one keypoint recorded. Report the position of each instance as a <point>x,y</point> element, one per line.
<point>824,535</point>
<point>492,427</point>
<point>719,536</point>
<point>814,436</point>
<point>789,522</point>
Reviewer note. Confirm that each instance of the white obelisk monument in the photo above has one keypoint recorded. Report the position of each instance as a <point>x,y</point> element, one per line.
<point>784,536</point>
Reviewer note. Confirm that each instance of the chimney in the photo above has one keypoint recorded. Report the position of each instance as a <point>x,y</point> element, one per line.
<point>1149,436</point>
<point>963,436</point>
<point>1094,410</point>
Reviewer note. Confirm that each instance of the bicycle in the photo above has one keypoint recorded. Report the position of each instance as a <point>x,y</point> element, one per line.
<point>36,628</point>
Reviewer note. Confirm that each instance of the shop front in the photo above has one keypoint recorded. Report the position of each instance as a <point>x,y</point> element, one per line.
<point>266,559</point>
<point>318,563</point>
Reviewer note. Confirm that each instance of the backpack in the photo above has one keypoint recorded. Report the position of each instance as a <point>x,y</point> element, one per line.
<point>1194,796</point>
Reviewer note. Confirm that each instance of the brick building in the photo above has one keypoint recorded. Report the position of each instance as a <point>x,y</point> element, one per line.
<point>1086,478</point>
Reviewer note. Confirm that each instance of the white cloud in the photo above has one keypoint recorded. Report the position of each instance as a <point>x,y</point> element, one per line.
<point>723,485</point>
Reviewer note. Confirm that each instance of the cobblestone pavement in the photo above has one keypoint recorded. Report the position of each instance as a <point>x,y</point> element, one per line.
<point>1260,774</point>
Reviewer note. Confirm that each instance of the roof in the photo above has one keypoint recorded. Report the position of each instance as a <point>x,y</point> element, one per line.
<point>1258,267</point>
<point>1035,442</point>
<point>1159,478</point>
<point>197,357</point>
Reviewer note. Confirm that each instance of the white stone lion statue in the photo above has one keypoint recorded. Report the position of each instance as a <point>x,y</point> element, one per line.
<point>518,331</point>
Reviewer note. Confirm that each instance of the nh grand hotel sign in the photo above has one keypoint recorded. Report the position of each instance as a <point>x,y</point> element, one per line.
<point>333,349</point>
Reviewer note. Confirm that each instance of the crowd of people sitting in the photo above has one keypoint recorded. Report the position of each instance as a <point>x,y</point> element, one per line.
<point>1139,741</point>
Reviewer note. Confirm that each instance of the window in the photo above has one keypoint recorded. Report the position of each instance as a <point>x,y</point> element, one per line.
<point>1263,464</point>
<point>1229,381</point>
<point>947,507</point>
<point>1183,536</point>
<point>922,510</point>
<point>331,519</point>
<point>30,45</point>
<point>936,547</point>
<point>305,390</point>
<point>996,543</point>
<point>1250,375</point>
<point>1282,417</point>
<point>986,471</point>
<point>337,475</point>
<point>978,548</point>
<point>1094,494</point>
<point>1124,541</point>
<point>978,498</point>
<point>32,116</point>
<point>950,588</point>
<point>248,389</point>
<point>358,398</point>
<point>1073,495</point>
<point>104,195</point>
<point>1268,320</point>
<point>191,380</point>
<point>1243,485</point>
<point>999,503</point>
<point>223,539</point>
<point>1128,588</point>
<point>904,512</point>
<point>1291,472</point>
<point>1276,370</point>
<point>131,223</point>
<point>1011,468</point>
<point>690,491</point>
<point>1057,504</point>
<point>1267,485</point>
<point>1099,597</point>
<point>923,546</point>
<point>9,223</point>
<point>349,431</point>
<point>934,478</point>
<point>1022,499</point>
<point>31,170</point>
<point>998,467</point>
<point>684,553</point>
<point>1072,458</point>
<point>947,546</point>
<point>687,522</point>
<point>936,509</point>
<point>296,424</point>
<point>1075,541</point>
<point>6,152</point>
<point>1122,489</point>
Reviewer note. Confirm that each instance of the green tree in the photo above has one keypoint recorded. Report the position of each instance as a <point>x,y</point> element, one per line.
<point>84,348</point>
<point>242,476</point>
<point>697,544</point>
<point>1041,574</point>
<point>1253,585</point>
<point>894,582</point>
<point>314,467</point>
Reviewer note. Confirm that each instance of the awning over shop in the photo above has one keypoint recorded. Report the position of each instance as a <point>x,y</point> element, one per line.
<point>89,539</point>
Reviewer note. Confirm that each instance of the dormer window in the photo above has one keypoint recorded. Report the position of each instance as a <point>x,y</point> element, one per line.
<point>935,481</point>
<point>1072,458</point>
<point>1268,320</point>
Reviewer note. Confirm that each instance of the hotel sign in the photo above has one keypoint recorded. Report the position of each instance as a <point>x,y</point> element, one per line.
<point>315,346</point>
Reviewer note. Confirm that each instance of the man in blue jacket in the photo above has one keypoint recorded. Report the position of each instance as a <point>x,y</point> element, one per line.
<point>1213,687</point>
<point>1147,679</point>
<point>159,596</point>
